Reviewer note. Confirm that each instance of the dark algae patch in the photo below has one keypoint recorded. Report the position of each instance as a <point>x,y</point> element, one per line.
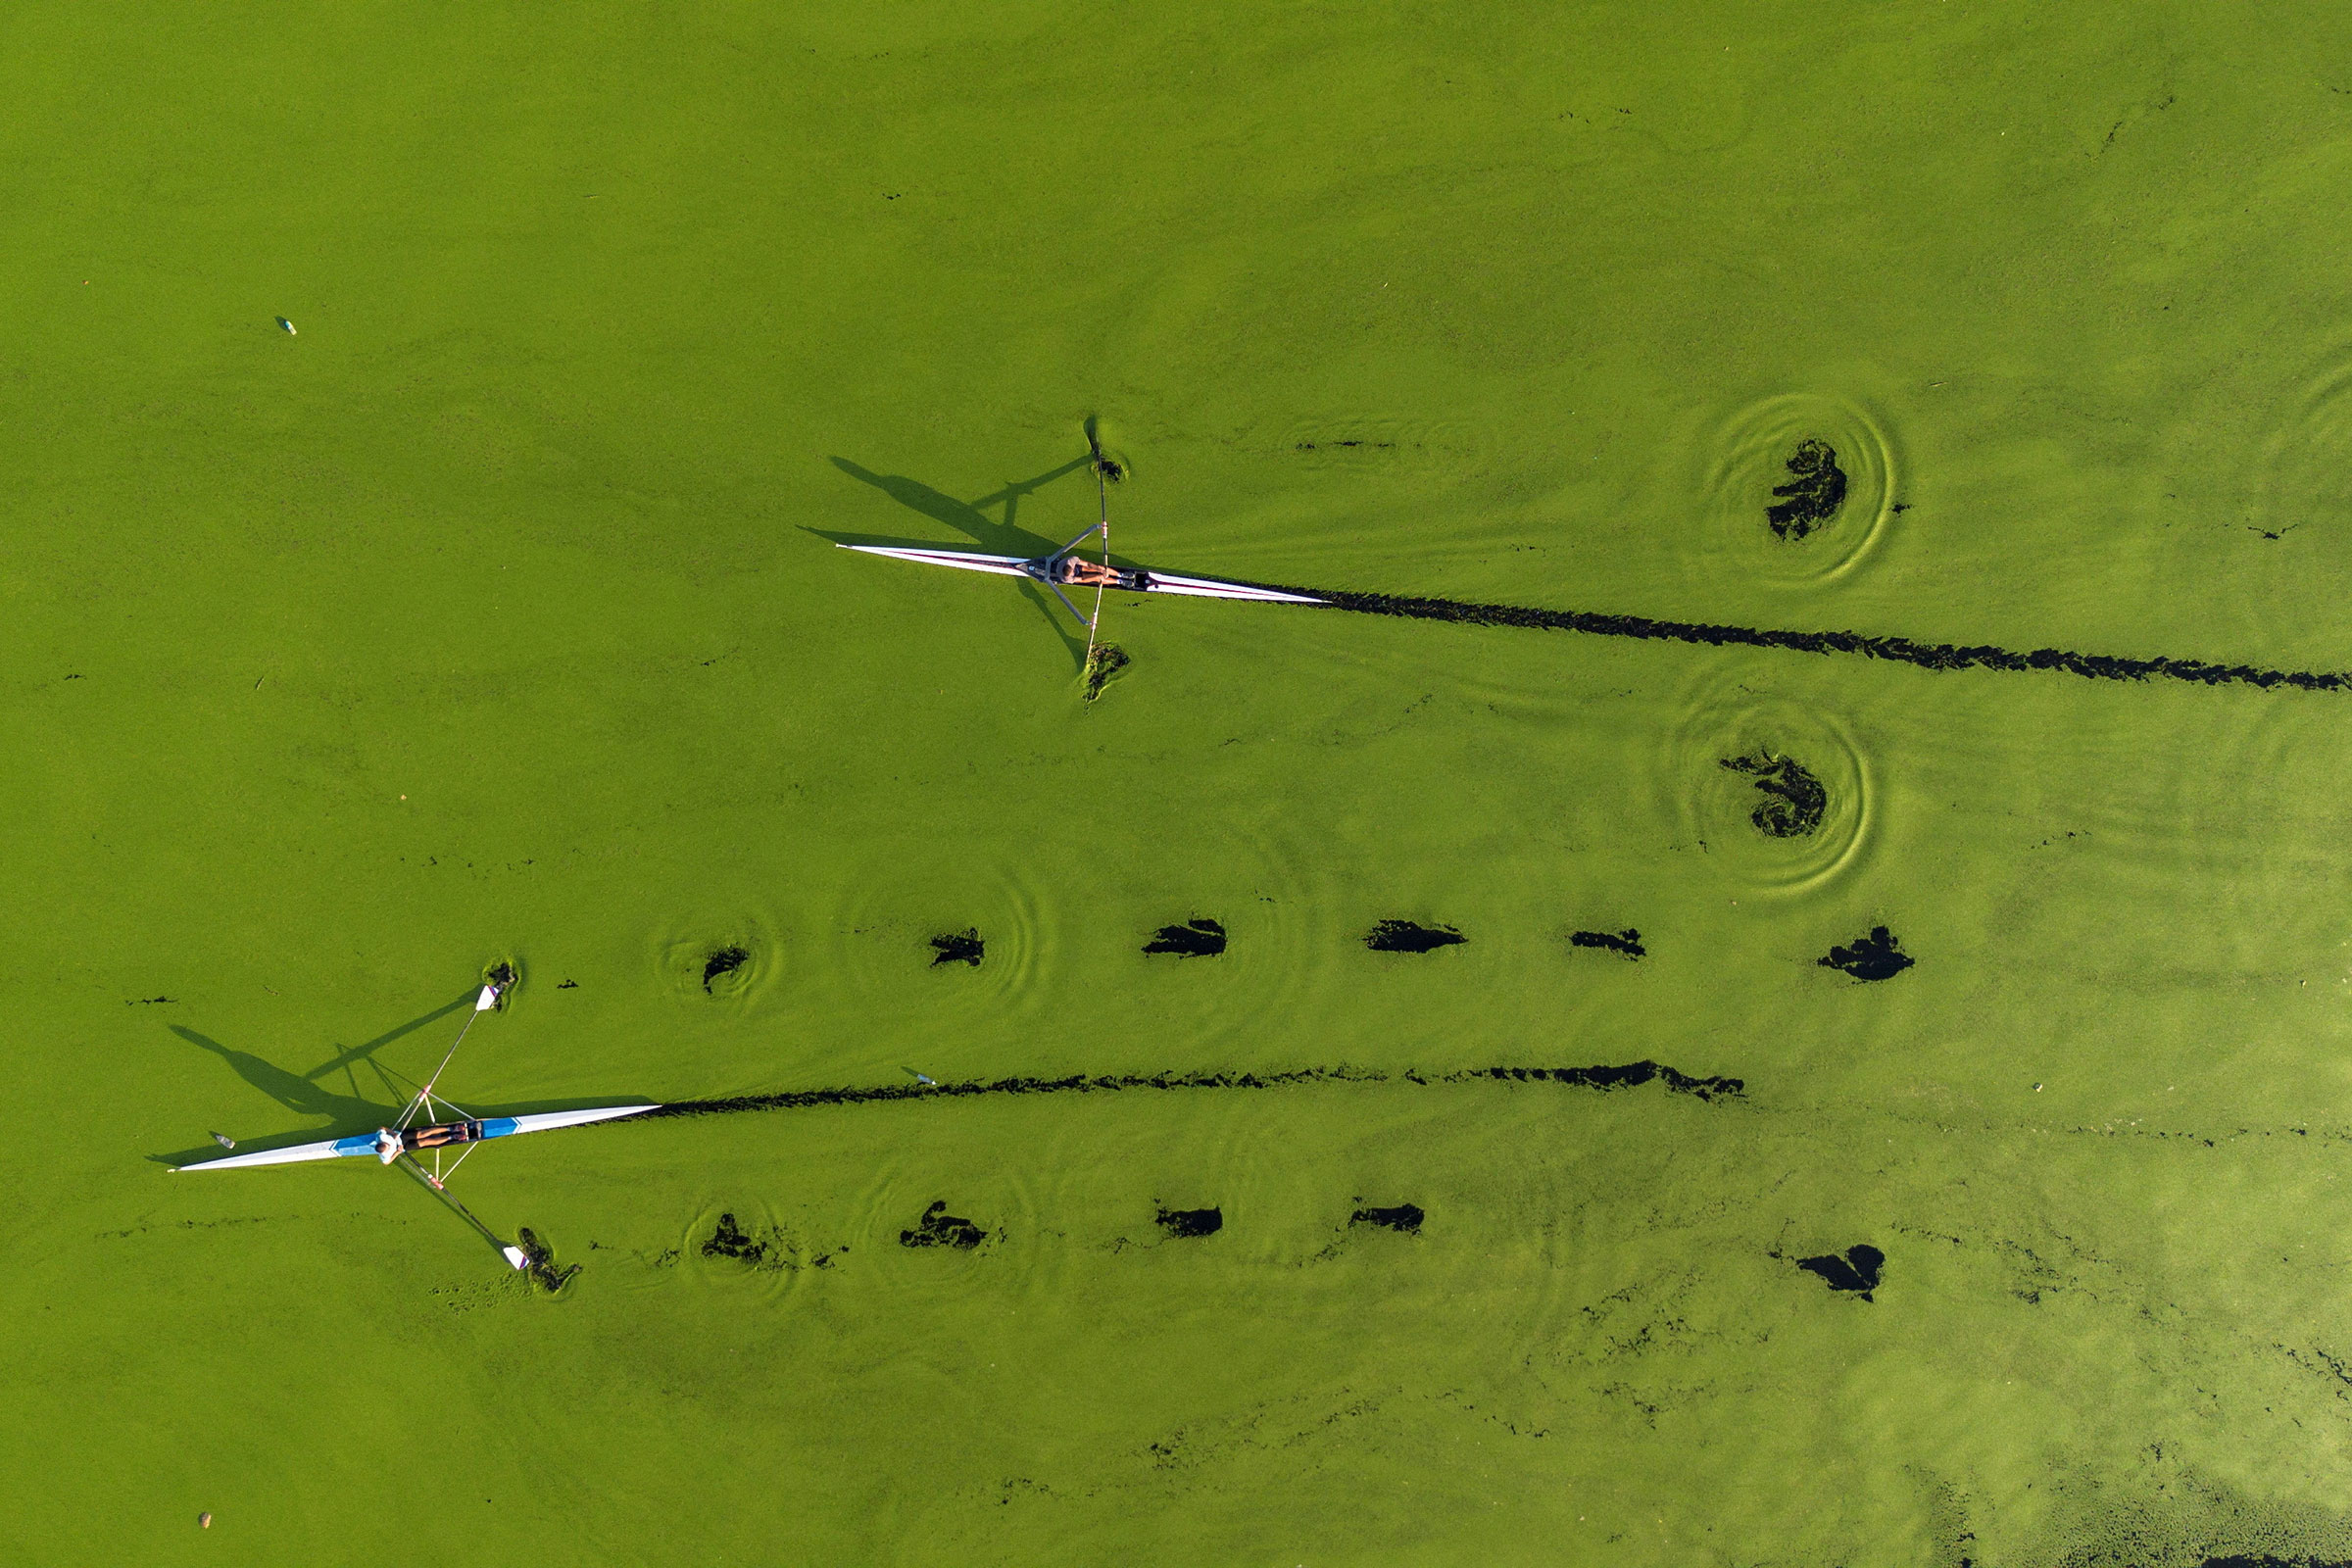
<point>1893,650</point>
<point>1815,490</point>
<point>1794,802</point>
<point>1103,664</point>
<point>1628,1076</point>
<point>1627,942</point>
<point>939,1228</point>
<point>726,961</point>
<point>1408,936</point>
<point>1856,1273</point>
<point>957,948</point>
<point>1198,938</point>
<point>1187,1223</point>
<point>1876,956</point>
<point>541,1269</point>
<point>729,1240</point>
<point>1405,1217</point>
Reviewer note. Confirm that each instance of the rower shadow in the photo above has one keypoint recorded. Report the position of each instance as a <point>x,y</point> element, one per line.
<point>1006,538</point>
<point>294,1091</point>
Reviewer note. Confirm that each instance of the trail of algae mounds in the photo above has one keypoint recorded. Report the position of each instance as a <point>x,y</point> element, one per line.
<point>480,618</point>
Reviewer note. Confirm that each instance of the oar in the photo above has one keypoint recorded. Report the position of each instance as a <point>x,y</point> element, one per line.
<point>515,1255</point>
<point>424,1097</point>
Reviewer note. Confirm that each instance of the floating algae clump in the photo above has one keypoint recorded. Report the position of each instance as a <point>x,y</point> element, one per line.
<point>1198,938</point>
<point>1795,802</point>
<point>1815,490</point>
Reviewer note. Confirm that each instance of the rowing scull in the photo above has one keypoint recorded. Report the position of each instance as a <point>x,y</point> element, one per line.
<point>1062,568</point>
<point>400,1142</point>
<point>388,1144</point>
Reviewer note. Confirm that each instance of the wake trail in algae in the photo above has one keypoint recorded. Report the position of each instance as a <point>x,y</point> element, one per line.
<point>1896,650</point>
<point>1632,1075</point>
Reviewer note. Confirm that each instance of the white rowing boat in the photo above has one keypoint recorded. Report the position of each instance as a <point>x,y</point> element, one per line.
<point>388,1143</point>
<point>1062,568</point>
<point>401,1143</point>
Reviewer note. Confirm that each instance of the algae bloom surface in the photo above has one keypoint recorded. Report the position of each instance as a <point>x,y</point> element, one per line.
<point>1767,985</point>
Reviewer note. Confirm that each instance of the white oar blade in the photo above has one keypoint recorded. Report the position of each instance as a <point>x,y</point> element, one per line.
<point>545,1121</point>
<point>1209,588</point>
<point>517,1256</point>
<point>334,1149</point>
<point>968,561</point>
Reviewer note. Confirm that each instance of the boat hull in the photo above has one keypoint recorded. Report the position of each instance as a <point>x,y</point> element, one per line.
<point>1154,582</point>
<point>441,1135</point>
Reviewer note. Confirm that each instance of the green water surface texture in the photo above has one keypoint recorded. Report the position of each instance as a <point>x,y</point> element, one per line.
<point>492,615</point>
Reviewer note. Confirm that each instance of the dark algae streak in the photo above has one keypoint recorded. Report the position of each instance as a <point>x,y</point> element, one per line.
<point>1186,1223</point>
<point>957,948</point>
<point>1626,943</point>
<point>1196,938</point>
<point>1893,650</point>
<point>1856,1273</point>
<point>1815,490</point>
<point>1794,802</point>
<point>1629,1076</point>
<point>1405,1217</point>
<point>1408,936</point>
<point>1876,956</point>
<point>939,1228</point>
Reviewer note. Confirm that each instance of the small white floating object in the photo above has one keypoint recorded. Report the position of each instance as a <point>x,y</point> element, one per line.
<point>225,1141</point>
<point>517,1256</point>
<point>288,325</point>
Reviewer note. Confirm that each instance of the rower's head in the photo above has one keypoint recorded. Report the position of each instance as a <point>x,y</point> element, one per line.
<point>387,1145</point>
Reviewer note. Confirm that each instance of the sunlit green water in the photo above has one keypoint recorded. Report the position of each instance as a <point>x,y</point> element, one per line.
<point>484,618</point>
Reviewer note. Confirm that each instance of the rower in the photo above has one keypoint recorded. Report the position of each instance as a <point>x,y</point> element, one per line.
<point>1083,573</point>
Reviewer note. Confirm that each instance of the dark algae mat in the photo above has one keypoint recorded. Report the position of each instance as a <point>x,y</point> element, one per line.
<point>1766,984</point>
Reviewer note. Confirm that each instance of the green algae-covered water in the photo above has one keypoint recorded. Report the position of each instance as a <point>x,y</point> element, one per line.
<point>493,615</point>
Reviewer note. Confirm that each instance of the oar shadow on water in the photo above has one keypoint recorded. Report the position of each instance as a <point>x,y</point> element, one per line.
<point>1006,538</point>
<point>347,1057</point>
